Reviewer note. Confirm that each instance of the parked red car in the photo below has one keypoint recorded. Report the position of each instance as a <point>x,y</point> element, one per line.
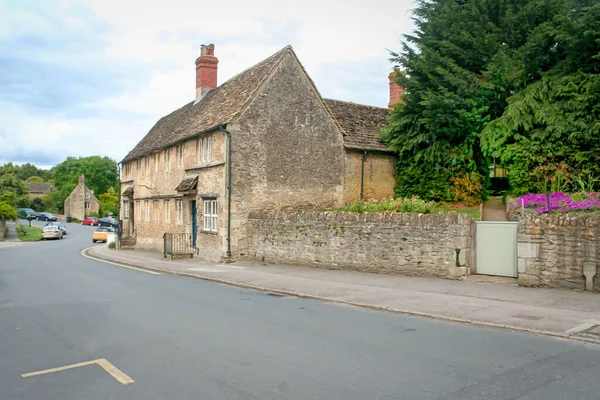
<point>93,221</point>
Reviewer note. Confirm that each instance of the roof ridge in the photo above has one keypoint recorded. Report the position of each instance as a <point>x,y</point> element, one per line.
<point>264,61</point>
<point>356,104</point>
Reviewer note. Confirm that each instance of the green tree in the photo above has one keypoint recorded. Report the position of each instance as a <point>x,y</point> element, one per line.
<point>100,173</point>
<point>109,201</point>
<point>35,178</point>
<point>465,58</point>
<point>8,212</point>
<point>28,170</point>
<point>57,198</point>
<point>550,131</point>
<point>13,190</point>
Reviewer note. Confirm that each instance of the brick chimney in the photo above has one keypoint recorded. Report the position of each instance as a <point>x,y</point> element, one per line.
<point>206,70</point>
<point>81,180</point>
<point>396,91</point>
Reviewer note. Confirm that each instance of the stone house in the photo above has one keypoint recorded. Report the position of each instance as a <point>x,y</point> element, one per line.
<point>38,189</point>
<point>81,202</point>
<point>263,140</point>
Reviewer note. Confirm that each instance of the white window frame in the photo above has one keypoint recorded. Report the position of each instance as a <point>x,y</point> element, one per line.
<point>180,212</point>
<point>205,149</point>
<point>167,159</point>
<point>147,208</point>
<point>167,211</point>
<point>156,210</point>
<point>137,211</point>
<point>209,215</point>
<point>126,210</point>
<point>180,155</point>
<point>87,195</point>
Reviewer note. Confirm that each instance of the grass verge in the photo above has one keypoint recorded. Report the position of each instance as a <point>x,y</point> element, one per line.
<point>2,239</point>
<point>30,234</point>
<point>459,208</point>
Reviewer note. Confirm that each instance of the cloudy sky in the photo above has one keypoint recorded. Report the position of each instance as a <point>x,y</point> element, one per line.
<point>85,77</point>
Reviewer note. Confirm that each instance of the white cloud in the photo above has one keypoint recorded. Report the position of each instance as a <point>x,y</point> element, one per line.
<point>342,44</point>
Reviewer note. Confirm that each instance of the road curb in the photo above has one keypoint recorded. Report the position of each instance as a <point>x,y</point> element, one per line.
<point>351,303</point>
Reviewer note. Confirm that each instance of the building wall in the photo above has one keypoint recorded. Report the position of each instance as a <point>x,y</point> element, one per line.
<point>287,153</point>
<point>78,205</point>
<point>552,250</point>
<point>379,175</point>
<point>391,243</point>
<point>154,178</point>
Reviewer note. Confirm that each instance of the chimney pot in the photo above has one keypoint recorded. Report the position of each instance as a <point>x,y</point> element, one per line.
<point>206,70</point>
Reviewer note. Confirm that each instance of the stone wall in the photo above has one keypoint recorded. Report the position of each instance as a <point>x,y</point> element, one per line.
<point>287,152</point>
<point>2,228</point>
<point>552,250</point>
<point>379,178</point>
<point>391,243</point>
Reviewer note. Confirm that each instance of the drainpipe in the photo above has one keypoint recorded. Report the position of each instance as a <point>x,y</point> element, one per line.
<point>223,128</point>
<point>362,175</point>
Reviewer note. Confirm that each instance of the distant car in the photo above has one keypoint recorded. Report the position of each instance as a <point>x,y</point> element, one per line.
<point>62,226</point>
<point>26,212</point>
<point>45,216</point>
<point>92,221</point>
<point>101,234</point>
<point>108,221</point>
<point>51,232</point>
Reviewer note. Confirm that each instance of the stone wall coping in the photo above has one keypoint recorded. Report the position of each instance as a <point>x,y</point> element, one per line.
<point>449,218</point>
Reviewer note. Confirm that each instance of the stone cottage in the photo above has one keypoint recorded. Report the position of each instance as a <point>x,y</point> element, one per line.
<point>263,140</point>
<point>39,189</point>
<point>81,202</point>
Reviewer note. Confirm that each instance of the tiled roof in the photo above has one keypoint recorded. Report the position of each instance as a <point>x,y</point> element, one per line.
<point>361,124</point>
<point>39,187</point>
<point>188,183</point>
<point>218,106</point>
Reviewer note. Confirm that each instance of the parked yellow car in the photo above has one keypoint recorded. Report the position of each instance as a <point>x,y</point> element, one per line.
<point>52,232</point>
<point>101,234</point>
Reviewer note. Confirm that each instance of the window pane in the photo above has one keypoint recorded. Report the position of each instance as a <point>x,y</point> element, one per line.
<point>209,148</point>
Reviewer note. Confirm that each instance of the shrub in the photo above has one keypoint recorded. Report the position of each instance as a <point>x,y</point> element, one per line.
<point>8,212</point>
<point>413,204</point>
<point>559,201</point>
<point>112,245</point>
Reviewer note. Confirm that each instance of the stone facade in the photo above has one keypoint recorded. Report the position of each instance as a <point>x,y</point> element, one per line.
<point>289,151</point>
<point>81,202</point>
<point>379,175</point>
<point>290,162</point>
<point>391,243</point>
<point>553,249</point>
<point>2,228</point>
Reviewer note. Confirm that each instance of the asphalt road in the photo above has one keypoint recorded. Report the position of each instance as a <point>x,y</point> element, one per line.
<point>181,338</point>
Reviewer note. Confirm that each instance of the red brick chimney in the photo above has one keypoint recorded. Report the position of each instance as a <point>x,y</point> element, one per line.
<point>206,70</point>
<point>396,91</point>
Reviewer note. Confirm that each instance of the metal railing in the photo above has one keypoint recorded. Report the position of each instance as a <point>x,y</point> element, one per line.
<point>178,245</point>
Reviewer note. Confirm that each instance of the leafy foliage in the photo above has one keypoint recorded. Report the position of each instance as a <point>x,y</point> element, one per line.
<point>8,212</point>
<point>461,67</point>
<point>109,202</point>
<point>549,134</point>
<point>13,190</point>
<point>28,170</point>
<point>100,173</point>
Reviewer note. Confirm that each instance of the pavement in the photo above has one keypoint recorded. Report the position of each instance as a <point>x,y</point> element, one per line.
<point>552,312</point>
<point>494,209</point>
<point>78,328</point>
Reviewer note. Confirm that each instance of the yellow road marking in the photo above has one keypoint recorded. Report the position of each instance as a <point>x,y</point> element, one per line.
<point>102,362</point>
<point>117,264</point>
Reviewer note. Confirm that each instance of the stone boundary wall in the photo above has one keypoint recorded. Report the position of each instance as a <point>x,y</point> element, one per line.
<point>389,243</point>
<point>554,248</point>
<point>2,228</point>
